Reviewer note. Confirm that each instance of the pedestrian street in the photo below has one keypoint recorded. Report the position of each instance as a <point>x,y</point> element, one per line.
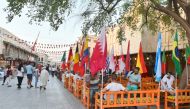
<point>54,97</point>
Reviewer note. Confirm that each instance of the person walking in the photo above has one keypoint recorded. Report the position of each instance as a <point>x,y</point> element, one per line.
<point>9,76</point>
<point>37,74</point>
<point>5,75</point>
<point>29,71</point>
<point>20,75</point>
<point>44,77</point>
<point>53,71</point>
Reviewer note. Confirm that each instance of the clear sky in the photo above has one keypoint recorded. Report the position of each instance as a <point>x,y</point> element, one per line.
<point>66,34</point>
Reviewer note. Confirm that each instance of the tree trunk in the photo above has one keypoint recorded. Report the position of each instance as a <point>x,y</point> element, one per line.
<point>184,78</point>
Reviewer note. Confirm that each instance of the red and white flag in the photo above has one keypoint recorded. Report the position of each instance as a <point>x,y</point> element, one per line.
<point>121,62</point>
<point>98,59</point>
<point>111,60</point>
<point>34,46</point>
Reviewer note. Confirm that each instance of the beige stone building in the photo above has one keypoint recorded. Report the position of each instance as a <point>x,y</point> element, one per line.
<point>14,49</point>
<point>149,45</point>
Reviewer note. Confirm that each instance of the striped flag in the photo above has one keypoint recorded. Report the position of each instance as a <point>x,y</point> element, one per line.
<point>76,60</point>
<point>140,61</point>
<point>163,62</point>
<point>157,67</point>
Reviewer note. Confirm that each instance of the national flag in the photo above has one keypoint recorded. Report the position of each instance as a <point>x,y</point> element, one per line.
<point>81,69</point>
<point>84,56</point>
<point>98,59</point>
<point>157,67</point>
<point>70,58</point>
<point>63,59</point>
<point>86,52</point>
<point>140,61</point>
<point>34,46</point>
<point>175,55</point>
<point>121,62</point>
<point>127,63</point>
<point>163,62</point>
<point>187,54</point>
<point>111,60</point>
<point>107,62</point>
<point>76,60</point>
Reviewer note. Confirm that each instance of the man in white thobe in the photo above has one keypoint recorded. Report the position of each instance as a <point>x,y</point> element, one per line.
<point>44,77</point>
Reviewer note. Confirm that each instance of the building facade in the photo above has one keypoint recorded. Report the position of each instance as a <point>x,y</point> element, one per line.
<point>149,45</point>
<point>14,49</point>
<point>43,59</point>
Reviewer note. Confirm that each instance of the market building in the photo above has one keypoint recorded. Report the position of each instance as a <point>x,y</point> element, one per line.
<point>14,49</point>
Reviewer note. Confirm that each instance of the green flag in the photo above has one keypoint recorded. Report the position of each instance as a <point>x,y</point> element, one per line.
<point>163,62</point>
<point>63,57</point>
<point>187,54</point>
<point>175,55</point>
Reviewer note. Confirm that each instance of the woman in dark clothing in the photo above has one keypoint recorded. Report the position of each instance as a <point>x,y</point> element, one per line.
<point>20,75</point>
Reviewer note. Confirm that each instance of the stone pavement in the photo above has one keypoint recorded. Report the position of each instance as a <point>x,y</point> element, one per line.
<point>54,97</point>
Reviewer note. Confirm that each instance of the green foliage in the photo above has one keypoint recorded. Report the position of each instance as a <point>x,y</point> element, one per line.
<point>134,13</point>
<point>40,10</point>
<point>121,35</point>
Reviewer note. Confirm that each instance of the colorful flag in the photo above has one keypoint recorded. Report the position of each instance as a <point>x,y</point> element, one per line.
<point>63,57</point>
<point>76,60</point>
<point>70,58</point>
<point>157,67</point>
<point>34,46</point>
<point>63,60</point>
<point>127,63</point>
<point>175,55</point>
<point>81,69</point>
<point>86,52</point>
<point>98,59</point>
<point>111,60</point>
<point>140,61</point>
<point>187,54</point>
<point>163,62</point>
<point>121,62</point>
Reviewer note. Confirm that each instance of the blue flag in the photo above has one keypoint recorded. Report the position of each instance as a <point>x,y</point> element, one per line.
<point>157,67</point>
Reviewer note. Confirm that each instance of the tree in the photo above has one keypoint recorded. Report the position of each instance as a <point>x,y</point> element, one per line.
<point>153,14</point>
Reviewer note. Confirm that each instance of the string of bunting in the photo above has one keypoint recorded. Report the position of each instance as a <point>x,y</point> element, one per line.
<point>52,46</point>
<point>39,45</point>
<point>52,52</point>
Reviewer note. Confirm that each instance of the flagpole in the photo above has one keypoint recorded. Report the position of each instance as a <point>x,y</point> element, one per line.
<point>187,71</point>
<point>176,90</point>
<point>84,84</point>
<point>101,96</point>
<point>33,47</point>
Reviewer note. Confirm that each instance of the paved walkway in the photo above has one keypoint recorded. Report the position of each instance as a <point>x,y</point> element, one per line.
<point>55,97</point>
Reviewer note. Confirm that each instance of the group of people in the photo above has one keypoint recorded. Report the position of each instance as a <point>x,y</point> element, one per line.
<point>31,70</point>
<point>134,82</point>
<point>112,85</point>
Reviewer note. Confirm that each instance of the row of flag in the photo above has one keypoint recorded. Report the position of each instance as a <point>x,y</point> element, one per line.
<point>100,60</point>
<point>161,67</point>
